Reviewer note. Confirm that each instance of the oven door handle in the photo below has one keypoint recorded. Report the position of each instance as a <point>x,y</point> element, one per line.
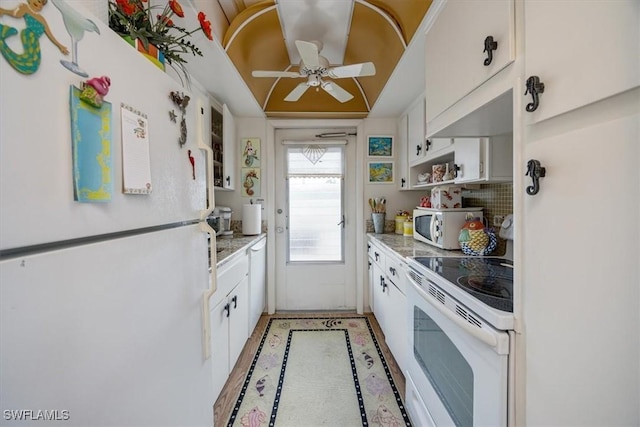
<point>485,336</point>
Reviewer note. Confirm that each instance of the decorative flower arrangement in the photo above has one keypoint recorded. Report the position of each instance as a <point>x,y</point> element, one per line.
<point>138,19</point>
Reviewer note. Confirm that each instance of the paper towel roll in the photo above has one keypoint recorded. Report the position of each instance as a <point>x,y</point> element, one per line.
<point>251,219</point>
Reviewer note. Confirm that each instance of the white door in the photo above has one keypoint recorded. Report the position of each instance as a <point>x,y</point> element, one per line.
<point>315,218</point>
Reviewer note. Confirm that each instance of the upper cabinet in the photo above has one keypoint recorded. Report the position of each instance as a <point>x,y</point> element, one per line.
<point>230,148</point>
<point>415,132</point>
<point>223,135</point>
<point>584,66</point>
<point>401,146</point>
<point>469,160</point>
<point>468,43</point>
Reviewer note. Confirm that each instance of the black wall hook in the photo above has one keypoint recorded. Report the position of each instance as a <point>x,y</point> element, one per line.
<point>489,46</point>
<point>535,171</point>
<point>534,87</point>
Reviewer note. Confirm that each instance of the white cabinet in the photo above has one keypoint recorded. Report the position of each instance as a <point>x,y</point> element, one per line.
<point>455,63</point>
<point>387,287</point>
<point>395,304</point>
<point>593,58</point>
<point>416,132</point>
<point>230,148</point>
<point>435,147</point>
<point>229,318</point>
<point>401,145</point>
<point>223,136</point>
<point>257,281</point>
<point>475,160</point>
<point>585,133</point>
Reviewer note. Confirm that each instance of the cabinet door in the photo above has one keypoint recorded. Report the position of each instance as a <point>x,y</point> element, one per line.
<point>230,148</point>
<point>401,146</point>
<point>379,296</point>
<point>257,282</point>
<point>454,49</point>
<point>469,159</point>
<point>416,132</point>
<point>371,281</point>
<point>398,340</point>
<point>594,58</point>
<point>435,147</point>
<point>219,323</point>
<point>576,273</point>
<point>238,319</point>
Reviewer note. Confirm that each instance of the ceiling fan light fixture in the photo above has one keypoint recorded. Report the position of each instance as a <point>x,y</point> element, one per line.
<point>314,80</point>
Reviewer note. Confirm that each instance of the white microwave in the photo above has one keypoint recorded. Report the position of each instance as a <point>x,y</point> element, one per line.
<point>441,227</point>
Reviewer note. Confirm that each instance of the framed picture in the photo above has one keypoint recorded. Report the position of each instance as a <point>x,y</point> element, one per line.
<point>251,153</point>
<point>380,172</point>
<point>380,146</point>
<point>251,182</point>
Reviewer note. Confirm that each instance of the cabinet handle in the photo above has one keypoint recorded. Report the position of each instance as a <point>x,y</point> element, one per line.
<point>418,149</point>
<point>489,46</point>
<point>534,87</point>
<point>227,308</point>
<point>228,179</point>
<point>368,246</point>
<point>402,182</point>
<point>234,300</point>
<point>377,255</point>
<point>369,265</point>
<point>535,171</point>
<point>427,144</point>
<point>392,271</point>
<point>457,170</point>
<point>382,282</point>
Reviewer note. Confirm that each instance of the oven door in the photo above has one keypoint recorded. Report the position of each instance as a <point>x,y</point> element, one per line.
<point>459,374</point>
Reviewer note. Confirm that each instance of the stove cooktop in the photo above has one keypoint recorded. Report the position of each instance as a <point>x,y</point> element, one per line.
<point>490,280</point>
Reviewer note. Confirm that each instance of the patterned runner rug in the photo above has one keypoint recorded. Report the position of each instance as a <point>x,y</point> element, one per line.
<point>312,371</point>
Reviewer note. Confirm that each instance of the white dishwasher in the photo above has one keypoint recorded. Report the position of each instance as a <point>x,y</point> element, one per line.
<point>257,281</point>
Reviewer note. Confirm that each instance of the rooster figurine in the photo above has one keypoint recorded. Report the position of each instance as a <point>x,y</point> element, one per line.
<point>475,239</point>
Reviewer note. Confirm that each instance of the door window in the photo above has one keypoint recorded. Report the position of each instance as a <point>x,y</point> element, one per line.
<point>315,184</point>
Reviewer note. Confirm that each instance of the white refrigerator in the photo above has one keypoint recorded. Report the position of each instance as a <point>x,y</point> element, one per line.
<point>101,304</point>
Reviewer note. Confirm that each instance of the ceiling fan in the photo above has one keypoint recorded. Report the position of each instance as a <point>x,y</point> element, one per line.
<point>314,67</point>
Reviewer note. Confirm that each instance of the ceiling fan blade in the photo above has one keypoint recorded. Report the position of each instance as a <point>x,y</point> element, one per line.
<point>336,91</point>
<point>354,70</point>
<point>263,73</point>
<point>297,92</point>
<point>309,53</point>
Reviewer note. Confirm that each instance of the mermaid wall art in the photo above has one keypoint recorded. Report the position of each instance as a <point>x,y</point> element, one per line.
<point>27,61</point>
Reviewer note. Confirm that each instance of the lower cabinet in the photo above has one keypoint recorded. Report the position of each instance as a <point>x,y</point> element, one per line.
<point>257,281</point>
<point>387,286</point>
<point>229,318</point>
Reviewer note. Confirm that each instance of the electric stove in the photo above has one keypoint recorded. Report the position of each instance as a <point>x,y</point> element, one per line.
<point>483,284</point>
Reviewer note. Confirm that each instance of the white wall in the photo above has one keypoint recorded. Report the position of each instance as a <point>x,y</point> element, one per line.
<point>396,200</point>
<point>246,128</point>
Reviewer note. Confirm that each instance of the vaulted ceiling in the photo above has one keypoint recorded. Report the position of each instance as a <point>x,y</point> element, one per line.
<point>262,33</point>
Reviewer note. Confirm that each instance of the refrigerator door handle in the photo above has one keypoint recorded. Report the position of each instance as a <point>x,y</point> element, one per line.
<point>209,163</point>
<point>206,296</point>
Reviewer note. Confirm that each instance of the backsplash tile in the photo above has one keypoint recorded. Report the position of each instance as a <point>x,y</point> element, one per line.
<point>496,199</point>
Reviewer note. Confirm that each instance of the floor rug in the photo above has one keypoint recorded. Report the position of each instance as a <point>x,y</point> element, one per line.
<point>312,371</point>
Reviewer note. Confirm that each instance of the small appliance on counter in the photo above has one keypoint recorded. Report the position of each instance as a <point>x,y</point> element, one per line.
<point>223,214</point>
<point>441,227</point>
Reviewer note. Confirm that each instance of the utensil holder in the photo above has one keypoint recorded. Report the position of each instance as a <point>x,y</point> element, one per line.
<point>378,222</point>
